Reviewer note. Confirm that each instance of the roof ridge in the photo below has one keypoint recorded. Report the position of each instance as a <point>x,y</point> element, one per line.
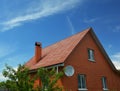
<point>60,50</point>
<point>88,29</point>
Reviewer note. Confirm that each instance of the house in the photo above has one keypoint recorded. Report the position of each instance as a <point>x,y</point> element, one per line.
<point>88,67</point>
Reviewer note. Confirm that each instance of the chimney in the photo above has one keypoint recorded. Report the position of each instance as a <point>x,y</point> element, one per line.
<point>38,51</point>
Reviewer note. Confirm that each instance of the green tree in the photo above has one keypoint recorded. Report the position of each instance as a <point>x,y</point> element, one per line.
<point>49,78</point>
<point>18,80</point>
<point>2,85</point>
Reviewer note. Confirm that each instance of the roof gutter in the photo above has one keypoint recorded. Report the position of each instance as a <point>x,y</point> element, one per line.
<point>48,67</point>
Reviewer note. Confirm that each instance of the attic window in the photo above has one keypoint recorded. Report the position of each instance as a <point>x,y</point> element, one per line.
<point>91,55</point>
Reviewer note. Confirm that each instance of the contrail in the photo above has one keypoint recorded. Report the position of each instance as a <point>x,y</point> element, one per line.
<point>72,30</point>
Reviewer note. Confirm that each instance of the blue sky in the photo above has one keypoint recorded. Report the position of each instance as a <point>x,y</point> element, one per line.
<point>23,22</point>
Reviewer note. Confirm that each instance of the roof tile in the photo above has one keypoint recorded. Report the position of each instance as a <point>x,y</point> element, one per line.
<point>58,52</point>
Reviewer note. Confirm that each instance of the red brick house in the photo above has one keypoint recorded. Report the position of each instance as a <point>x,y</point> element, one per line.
<point>88,67</point>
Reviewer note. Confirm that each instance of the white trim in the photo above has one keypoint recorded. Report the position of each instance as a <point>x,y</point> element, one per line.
<point>91,55</point>
<point>82,82</point>
<point>82,89</point>
<point>57,70</point>
<point>104,83</point>
<point>105,89</point>
<point>62,64</point>
<point>49,67</point>
<point>91,60</point>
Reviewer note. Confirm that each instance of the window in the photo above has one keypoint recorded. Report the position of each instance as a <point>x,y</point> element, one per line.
<point>91,55</point>
<point>104,83</point>
<point>81,82</point>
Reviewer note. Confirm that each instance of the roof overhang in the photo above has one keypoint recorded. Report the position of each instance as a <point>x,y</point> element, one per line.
<point>48,67</point>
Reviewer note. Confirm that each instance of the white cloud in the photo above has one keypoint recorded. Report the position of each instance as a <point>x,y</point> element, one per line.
<point>90,20</point>
<point>2,78</point>
<point>110,46</point>
<point>116,60</point>
<point>16,59</point>
<point>8,56</point>
<point>39,10</point>
<point>72,30</point>
<point>12,61</point>
<point>116,28</point>
<point>6,50</point>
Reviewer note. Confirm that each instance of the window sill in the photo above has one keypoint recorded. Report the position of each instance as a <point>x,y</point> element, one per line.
<point>82,89</point>
<point>91,60</point>
<point>105,89</point>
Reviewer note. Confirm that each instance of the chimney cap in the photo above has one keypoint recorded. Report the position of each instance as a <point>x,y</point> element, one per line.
<point>37,44</point>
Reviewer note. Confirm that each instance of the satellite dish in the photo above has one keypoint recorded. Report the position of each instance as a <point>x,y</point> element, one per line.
<point>69,70</point>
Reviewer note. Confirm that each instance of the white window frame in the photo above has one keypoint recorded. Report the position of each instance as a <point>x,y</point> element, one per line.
<point>81,77</point>
<point>104,83</point>
<point>91,56</point>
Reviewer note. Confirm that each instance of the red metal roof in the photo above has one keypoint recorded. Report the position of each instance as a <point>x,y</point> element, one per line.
<point>58,52</point>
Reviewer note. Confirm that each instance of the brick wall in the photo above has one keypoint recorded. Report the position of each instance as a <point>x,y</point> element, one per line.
<point>93,70</point>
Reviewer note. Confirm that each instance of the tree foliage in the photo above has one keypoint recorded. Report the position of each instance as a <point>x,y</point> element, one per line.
<point>20,80</point>
<point>49,78</point>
